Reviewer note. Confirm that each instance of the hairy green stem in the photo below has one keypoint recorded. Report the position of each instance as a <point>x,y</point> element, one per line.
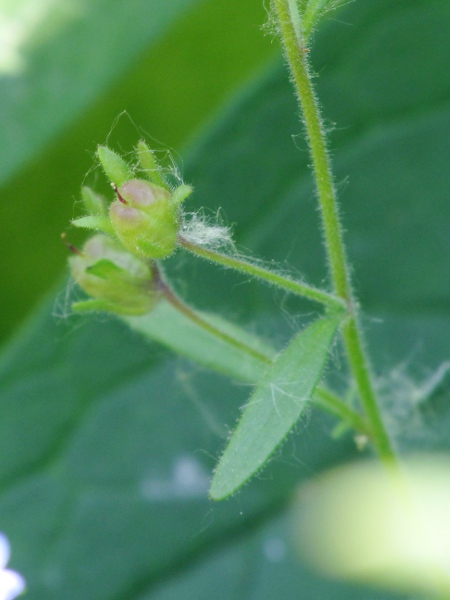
<point>243,266</point>
<point>194,316</point>
<point>296,54</point>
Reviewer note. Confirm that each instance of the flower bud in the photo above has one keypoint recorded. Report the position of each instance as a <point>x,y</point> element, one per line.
<point>145,219</point>
<point>118,281</point>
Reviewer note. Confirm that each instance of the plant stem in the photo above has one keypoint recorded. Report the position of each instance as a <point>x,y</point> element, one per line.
<point>239,264</point>
<point>336,406</point>
<point>296,54</point>
<point>194,316</point>
<point>297,57</point>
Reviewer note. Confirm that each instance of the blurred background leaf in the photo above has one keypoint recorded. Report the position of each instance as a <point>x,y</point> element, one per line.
<point>108,443</point>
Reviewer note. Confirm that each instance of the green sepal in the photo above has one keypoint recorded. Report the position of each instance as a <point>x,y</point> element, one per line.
<point>116,169</point>
<point>96,223</point>
<point>107,269</point>
<point>94,203</point>
<point>180,194</point>
<point>150,166</point>
<point>93,305</point>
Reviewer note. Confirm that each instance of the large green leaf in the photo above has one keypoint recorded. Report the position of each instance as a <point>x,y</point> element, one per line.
<point>108,443</point>
<point>110,491</point>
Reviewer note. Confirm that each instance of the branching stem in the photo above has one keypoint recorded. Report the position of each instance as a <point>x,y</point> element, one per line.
<point>297,57</point>
<point>330,402</point>
<point>246,267</point>
<point>197,318</point>
<point>324,398</point>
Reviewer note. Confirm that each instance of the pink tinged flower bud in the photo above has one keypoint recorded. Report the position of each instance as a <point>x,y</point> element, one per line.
<point>145,219</point>
<point>119,281</point>
<point>143,194</point>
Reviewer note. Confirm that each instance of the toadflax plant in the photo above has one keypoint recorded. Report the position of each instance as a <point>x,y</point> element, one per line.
<point>121,269</point>
<point>146,221</point>
<point>151,445</point>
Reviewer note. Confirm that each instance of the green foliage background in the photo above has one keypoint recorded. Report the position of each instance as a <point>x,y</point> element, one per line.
<point>107,442</point>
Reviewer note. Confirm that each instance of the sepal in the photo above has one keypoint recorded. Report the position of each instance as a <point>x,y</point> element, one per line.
<point>116,169</point>
<point>95,223</point>
<point>180,194</point>
<point>150,166</point>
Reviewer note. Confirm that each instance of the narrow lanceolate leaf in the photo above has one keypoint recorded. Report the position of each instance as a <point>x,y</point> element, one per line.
<point>274,407</point>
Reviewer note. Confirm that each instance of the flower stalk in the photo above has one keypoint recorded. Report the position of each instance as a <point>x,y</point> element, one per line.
<point>270,277</point>
<point>166,290</point>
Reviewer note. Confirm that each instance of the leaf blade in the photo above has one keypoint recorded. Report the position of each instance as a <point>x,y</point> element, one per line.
<point>274,407</point>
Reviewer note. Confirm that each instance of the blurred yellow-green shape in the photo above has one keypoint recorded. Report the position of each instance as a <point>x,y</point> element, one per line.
<point>390,530</point>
